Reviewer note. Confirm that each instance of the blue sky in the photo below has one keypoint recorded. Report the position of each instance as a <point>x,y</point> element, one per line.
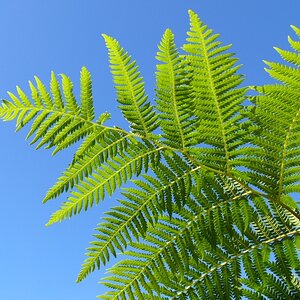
<point>39,263</point>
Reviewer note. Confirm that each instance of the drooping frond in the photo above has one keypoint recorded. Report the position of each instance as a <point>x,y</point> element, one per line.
<point>173,93</point>
<point>200,253</point>
<point>274,162</point>
<point>142,206</point>
<point>107,158</point>
<point>217,95</point>
<point>130,90</point>
<point>279,266</point>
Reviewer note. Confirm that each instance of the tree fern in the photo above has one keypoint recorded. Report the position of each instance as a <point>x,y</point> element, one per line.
<point>209,212</point>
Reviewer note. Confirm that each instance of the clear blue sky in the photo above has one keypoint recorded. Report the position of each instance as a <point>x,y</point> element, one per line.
<point>39,263</point>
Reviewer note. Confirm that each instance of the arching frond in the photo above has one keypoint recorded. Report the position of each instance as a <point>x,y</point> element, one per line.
<point>179,261</point>
<point>127,222</point>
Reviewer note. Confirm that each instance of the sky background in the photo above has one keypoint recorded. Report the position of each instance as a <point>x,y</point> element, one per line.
<point>39,263</point>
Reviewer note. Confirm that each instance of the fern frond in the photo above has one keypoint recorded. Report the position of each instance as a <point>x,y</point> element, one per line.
<point>115,172</point>
<point>57,120</point>
<point>130,90</point>
<point>276,116</point>
<point>217,95</point>
<point>130,220</point>
<point>202,245</point>
<point>173,95</point>
<point>116,233</point>
<point>171,245</point>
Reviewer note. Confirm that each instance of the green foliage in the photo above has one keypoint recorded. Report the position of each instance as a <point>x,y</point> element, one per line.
<point>209,213</point>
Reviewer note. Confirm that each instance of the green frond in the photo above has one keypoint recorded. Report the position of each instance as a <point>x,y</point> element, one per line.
<point>171,245</point>
<point>276,116</point>
<point>104,180</point>
<point>130,220</point>
<point>173,94</point>
<point>194,254</point>
<point>217,96</point>
<point>130,90</point>
<point>56,119</point>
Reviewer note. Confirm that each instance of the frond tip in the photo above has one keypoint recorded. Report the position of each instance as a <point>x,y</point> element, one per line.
<point>87,110</point>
